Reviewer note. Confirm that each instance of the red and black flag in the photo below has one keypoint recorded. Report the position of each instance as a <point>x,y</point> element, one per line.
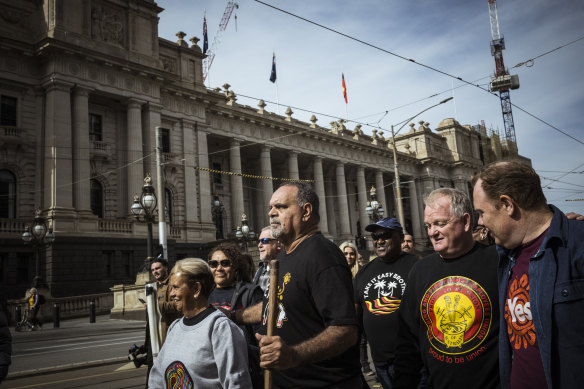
<point>344,88</point>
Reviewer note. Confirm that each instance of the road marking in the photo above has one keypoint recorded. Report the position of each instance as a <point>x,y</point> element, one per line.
<point>68,349</point>
<point>46,384</point>
<point>73,344</point>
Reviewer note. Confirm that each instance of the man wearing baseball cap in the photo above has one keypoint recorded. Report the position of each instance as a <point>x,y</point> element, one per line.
<point>378,289</point>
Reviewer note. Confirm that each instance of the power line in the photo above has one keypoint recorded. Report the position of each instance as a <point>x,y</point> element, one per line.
<point>529,63</point>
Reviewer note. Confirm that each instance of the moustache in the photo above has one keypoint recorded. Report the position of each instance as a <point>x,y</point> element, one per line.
<point>274,220</point>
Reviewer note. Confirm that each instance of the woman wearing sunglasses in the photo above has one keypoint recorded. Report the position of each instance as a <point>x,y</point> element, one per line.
<point>233,291</point>
<point>203,348</point>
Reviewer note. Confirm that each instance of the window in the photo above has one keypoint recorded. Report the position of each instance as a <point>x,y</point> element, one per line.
<point>168,206</point>
<point>7,194</point>
<point>8,111</point>
<point>165,140</point>
<point>22,267</point>
<point>216,176</point>
<point>96,198</point>
<point>108,258</point>
<point>127,262</point>
<point>95,133</point>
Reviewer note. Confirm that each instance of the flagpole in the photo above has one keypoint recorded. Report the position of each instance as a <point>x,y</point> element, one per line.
<point>277,97</point>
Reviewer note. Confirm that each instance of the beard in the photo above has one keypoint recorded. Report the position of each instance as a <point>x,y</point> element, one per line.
<point>276,231</point>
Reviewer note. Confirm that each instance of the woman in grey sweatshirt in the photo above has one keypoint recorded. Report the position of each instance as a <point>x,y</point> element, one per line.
<point>203,349</point>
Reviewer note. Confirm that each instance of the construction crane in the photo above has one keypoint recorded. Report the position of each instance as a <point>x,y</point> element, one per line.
<point>207,62</point>
<point>502,81</point>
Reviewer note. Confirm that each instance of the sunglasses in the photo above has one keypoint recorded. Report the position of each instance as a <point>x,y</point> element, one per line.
<point>224,263</point>
<point>385,235</point>
<point>265,240</point>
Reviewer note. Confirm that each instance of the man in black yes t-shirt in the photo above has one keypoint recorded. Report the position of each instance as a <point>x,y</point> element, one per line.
<point>449,321</point>
<point>315,344</point>
<point>378,290</point>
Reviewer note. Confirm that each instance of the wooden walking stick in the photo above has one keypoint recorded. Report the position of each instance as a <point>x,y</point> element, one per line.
<point>272,304</point>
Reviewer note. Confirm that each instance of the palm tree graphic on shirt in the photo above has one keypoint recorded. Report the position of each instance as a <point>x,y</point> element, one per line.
<point>381,288</point>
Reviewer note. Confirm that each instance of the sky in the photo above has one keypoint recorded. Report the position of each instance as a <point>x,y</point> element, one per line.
<point>451,36</point>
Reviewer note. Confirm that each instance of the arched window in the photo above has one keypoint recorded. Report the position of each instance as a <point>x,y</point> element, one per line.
<point>7,194</point>
<point>96,199</point>
<point>168,206</point>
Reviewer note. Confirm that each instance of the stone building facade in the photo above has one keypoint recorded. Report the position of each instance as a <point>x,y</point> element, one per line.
<point>84,83</point>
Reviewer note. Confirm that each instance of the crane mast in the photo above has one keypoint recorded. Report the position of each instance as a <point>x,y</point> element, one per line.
<point>502,81</point>
<point>231,5</point>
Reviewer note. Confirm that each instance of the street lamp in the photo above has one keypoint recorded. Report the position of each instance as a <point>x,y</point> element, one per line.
<point>374,209</point>
<point>144,210</point>
<point>400,208</point>
<point>243,233</point>
<point>40,236</point>
<point>217,211</point>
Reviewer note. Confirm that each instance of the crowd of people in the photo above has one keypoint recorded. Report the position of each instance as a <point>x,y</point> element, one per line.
<point>495,304</point>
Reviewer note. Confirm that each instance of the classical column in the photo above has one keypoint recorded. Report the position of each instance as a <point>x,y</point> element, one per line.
<point>293,165</point>
<point>319,188</point>
<point>362,198</point>
<point>416,208</point>
<point>81,151</point>
<point>189,148</point>
<point>58,167</point>
<point>345,225</point>
<point>331,202</point>
<point>204,176</point>
<point>236,183</point>
<point>150,120</point>
<point>267,185</point>
<point>134,150</point>
<point>380,191</point>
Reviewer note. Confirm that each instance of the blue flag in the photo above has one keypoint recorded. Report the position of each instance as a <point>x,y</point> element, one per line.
<point>205,38</point>
<point>273,74</point>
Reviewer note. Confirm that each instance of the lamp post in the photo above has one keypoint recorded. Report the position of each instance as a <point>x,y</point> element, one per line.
<point>217,212</point>
<point>243,233</point>
<point>374,209</point>
<point>400,208</point>
<point>144,209</point>
<point>40,235</point>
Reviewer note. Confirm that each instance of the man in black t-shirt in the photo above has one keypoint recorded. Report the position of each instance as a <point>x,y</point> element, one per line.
<point>378,290</point>
<point>448,318</point>
<point>315,345</point>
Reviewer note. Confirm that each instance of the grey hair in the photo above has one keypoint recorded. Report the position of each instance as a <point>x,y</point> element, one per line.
<point>195,270</point>
<point>459,201</point>
<point>306,195</point>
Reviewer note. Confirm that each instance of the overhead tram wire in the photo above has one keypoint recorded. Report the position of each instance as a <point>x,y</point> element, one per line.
<point>529,63</point>
<point>417,63</point>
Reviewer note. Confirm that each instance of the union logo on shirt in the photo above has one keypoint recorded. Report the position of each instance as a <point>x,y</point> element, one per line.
<point>458,315</point>
<point>518,314</point>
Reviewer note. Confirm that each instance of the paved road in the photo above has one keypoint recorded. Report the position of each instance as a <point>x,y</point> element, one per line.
<point>76,343</point>
<point>112,376</point>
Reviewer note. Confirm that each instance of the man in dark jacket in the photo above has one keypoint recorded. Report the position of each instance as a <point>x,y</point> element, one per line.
<point>541,278</point>
<point>167,308</point>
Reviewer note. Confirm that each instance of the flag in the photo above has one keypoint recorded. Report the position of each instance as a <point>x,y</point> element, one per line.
<point>205,38</point>
<point>273,74</point>
<point>344,89</point>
